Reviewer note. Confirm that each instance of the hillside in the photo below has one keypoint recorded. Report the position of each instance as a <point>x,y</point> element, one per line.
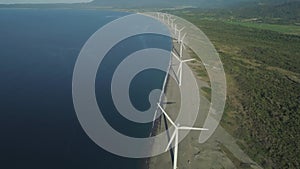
<point>242,8</point>
<point>271,11</point>
<point>263,76</point>
<point>167,3</point>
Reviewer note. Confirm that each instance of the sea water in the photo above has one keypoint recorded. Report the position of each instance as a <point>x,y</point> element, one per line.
<point>38,123</point>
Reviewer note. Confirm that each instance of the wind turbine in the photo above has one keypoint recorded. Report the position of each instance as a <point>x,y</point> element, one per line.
<point>163,18</point>
<point>158,15</point>
<point>172,22</point>
<point>175,30</point>
<point>181,45</point>
<point>168,17</point>
<point>179,71</point>
<point>179,33</point>
<point>175,135</point>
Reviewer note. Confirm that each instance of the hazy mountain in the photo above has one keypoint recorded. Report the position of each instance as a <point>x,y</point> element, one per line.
<point>167,3</point>
<point>163,4</point>
<point>271,11</point>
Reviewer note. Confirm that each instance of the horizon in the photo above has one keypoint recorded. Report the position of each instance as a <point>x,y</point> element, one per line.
<point>42,1</point>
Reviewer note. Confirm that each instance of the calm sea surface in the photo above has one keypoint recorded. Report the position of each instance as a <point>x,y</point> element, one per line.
<point>38,125</point>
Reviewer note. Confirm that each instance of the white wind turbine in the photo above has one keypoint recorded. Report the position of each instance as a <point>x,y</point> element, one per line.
<point>175,29</point>
<point>163,18</point>
<point>158,15</point>
<point>179,34</point>
<point>181,45</point>
<point>168,18</point>
<point>175,135</point>
<point>172,22</point>
<point>179,71</point>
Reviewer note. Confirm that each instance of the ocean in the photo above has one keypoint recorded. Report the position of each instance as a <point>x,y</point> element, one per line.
<point>38,124</point>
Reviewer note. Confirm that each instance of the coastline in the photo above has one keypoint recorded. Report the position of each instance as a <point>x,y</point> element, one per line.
<point>218,152</point>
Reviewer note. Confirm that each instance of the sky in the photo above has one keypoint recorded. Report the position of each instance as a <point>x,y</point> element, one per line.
<point>41,1</point>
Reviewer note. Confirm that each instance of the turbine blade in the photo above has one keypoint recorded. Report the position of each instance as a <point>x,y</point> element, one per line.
<point>171,139</point>
<point>180,74</point>
<point>188,60</point>
<point>183,37</point>
<point>192,128</point>
<point>179,69</point>
<point>184,47</point>
<point>176,56</point>
<point>165,113</point>
<point>155,114</point>
<point>181,45</point>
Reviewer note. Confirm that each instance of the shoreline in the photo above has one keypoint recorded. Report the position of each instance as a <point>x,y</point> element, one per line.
<point>219,151</point>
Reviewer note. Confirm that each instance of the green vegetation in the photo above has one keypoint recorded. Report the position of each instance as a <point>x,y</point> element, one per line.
<point>287,29</point>
<point>262,67</point>
<point>270,11</point>
<point>250,21</point>
<point>263,11</point>
<point>207,92</point>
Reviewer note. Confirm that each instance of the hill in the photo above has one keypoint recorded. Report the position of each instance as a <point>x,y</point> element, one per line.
<point>271,11</point>
<point>142,4</point>
<point>243,8</point>
<point>261,62</point>
<point>267,11</point>
<point>167,3</point>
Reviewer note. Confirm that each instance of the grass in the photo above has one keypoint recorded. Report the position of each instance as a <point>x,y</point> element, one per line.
<point>287,29</point>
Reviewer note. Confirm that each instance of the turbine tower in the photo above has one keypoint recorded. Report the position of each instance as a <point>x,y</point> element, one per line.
<point>175,135</point>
